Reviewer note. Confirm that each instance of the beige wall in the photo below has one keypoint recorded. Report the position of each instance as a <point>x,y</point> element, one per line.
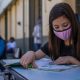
<point>47,5</point>
<point>11,17</point>
<point>72,3</point>
<point>2,26</point>
<point>13,21</point>
<point>19,18</point>
<point>36,10</point>
<point>15,15</point>
<point>9,23</point>
<point>26,18</point>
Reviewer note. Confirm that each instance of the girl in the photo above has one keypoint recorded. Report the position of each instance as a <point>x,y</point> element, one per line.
<point>64,41</point>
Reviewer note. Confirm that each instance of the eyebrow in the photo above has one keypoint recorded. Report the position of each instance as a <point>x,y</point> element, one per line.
<point>62,23</point>
<point>55,25</point>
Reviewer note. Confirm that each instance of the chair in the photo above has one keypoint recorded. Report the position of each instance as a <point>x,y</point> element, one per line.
<point>18,53</point>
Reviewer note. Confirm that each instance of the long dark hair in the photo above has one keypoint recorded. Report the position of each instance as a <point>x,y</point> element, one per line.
<point>58,10</point>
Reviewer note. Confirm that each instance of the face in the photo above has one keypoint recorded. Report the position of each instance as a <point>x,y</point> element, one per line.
<point>61,23</point>
<point>62,28</point>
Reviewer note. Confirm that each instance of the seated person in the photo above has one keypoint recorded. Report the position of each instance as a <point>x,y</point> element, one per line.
<point>2,48</point>
<point>63,46</point>
<point>11,45</point>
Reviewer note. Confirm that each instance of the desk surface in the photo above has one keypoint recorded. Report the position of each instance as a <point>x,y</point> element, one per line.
<point>35,74</point>
<point>71,73</point>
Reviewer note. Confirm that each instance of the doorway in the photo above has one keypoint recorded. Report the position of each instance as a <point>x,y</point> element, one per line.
<point>35,11</point>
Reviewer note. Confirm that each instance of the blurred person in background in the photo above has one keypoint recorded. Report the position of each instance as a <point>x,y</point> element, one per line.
<point>37,35</point>
<point>2,48</point>
<point>11,45</point>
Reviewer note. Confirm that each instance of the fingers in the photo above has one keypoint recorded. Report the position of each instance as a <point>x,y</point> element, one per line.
<point>60,61</point>
<point>34,65</point>
<point>27,59</point>
<point>26,62</point>
<point>23,61</point>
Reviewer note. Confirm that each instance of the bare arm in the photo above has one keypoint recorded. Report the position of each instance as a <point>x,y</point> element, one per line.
<point>67,60</point>
<point>30,56</point>
<point>39,54</point>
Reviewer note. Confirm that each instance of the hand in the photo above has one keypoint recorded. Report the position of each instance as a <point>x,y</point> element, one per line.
<point>66,60</point>
<point>28,58</point>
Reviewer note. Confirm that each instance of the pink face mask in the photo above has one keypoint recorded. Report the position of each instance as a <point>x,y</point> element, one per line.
<point>64,35</point>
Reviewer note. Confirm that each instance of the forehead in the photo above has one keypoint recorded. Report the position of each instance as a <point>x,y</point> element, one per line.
<point>60,20</point>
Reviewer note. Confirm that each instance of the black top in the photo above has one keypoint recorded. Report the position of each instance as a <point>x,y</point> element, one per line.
<point>64,50</point>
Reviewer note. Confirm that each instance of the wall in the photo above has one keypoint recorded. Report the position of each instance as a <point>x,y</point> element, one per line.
<point>46,7</point>
<point>2,26</point>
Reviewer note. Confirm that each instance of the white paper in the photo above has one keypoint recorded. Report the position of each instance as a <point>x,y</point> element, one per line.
<point>10,61</point>
<point>44,64</point>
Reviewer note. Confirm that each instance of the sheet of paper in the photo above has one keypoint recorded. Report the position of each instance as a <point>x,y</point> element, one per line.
<point>11,61</point>
<point>45,64</point>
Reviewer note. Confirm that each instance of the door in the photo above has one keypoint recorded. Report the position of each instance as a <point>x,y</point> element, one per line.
<point>35,11</point>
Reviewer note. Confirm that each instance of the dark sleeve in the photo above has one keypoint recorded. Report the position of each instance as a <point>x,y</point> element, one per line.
<point>45,49</point>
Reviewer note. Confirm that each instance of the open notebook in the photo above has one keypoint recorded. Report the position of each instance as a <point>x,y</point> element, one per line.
<point>43,64</point>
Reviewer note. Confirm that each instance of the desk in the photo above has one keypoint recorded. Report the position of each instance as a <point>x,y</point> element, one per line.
<point>35,74</point>
<point>1,76</point>
<point>20,73</point>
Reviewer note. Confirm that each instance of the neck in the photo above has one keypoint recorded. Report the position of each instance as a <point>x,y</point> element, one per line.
<point>67,42</point>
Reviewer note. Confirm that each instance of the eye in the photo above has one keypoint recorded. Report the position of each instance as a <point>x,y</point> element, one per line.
<point>65,25</point>
<point>56,27</point>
